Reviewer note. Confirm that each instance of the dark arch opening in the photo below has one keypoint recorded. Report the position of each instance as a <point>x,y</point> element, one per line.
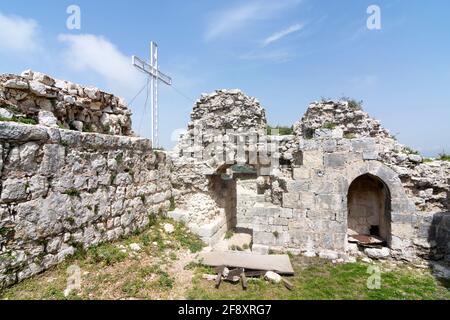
<point>369,208</point>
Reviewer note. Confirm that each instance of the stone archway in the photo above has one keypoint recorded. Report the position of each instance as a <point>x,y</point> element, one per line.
<point>369,207</point>
<point>402,209</point>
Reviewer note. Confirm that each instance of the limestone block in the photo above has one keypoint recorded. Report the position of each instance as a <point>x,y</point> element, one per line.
<point>313,159</point>
<point>364,145</point>
<point>47,118</point>
<point>5,114</point>
<point>377,253</point>
<point>329,145</point>
<point>14,190</point>
<point>290,200</point>
<point>301,173</point>
<point>297,186</point>
<point>53,159</point>
<point>335,160</point>
<point>15,132</point>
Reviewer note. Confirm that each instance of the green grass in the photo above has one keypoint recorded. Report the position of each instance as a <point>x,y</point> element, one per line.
<point>408,150</point>
<point>349,136</point>
<point>353,103</point>
<point>110,273</point>
<point>329,125</point>
<point>229,234</point>
<point>282,130</point>
<point>23,120</point>
<point>444,156</point>
<point>319,279</point>
<point>172,204</point>
<point>72,192</point>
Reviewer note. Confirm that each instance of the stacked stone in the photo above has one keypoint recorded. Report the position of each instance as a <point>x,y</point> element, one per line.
<point>63,104</point>
<point>345,115</point>
<point>228,109</point>
<point>61,190</point>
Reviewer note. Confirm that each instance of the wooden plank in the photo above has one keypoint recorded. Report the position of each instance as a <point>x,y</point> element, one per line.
<point>287,284</point>
<point>244,280</point>
<point>278,263</point>
<point>219,276</point>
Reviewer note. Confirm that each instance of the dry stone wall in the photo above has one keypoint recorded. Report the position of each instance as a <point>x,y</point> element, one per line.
<point>37,97</point>
<point>62,190</point>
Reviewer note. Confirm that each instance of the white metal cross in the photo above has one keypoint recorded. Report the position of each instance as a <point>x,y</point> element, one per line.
<point>153,71</point>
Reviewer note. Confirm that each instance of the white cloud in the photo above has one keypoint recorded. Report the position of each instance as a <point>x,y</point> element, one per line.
<point>278,56</point>
<point>18,34</point>
<point>283,33</point>
<point>87,52</point>
<point>240,16</point>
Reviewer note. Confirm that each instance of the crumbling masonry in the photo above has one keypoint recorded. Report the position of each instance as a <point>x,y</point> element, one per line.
<point>72,175</point>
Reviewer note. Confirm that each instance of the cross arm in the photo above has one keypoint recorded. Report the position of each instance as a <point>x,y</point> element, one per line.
<point>150,70</point>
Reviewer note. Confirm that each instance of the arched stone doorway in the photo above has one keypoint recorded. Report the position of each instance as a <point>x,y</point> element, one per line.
<point>369,207</point>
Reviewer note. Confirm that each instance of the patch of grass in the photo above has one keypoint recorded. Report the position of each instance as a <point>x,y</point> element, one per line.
<point>23,120</point>
<point>353,103</point>
<point>329,125</point>
<point>132,287</point>
<point>172,204</point>
<point>119,158</point>
<point>282,130</point>
<point>349,136</point>
<point>444,156</point>
<point>229,234</point>
<point>72,192</point>
<point>107,254</point>
<point>109,273</point>
<point>187,240</point>
<point>317,279</point>
<point>408,150</point>
<point>165,281</point>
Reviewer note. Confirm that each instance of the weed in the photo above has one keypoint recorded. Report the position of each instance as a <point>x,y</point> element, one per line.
<point>72,192</point>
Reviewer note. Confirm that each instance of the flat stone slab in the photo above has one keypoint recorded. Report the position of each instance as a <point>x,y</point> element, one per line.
<point>279,263</point>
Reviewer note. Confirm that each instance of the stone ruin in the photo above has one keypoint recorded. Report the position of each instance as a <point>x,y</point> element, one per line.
<point>72,176</point>
<point>57,103</point>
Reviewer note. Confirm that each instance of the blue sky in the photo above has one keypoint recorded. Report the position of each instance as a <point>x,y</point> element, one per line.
<point>285,53</point>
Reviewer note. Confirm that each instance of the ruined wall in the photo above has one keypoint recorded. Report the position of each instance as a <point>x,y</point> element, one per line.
<point>308,211</point>
<point>62,189</point>
<point>246,197</point>
<point>218,121</point>
<point>37,97</point>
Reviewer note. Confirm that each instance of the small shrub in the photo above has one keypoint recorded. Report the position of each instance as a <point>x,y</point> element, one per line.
<point>349,136</point>
<point>276,234</point>
<point>329,125</point>
<point>229,234</point>
<point>172,204</point>
<point>23,120</point>
<point>444,156</point>
<point>119,158</point>
<point>408,150</point>
<point>70,220</point>
<point>165,281</point>
<point>107,254</point>
<point>72,192</point>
